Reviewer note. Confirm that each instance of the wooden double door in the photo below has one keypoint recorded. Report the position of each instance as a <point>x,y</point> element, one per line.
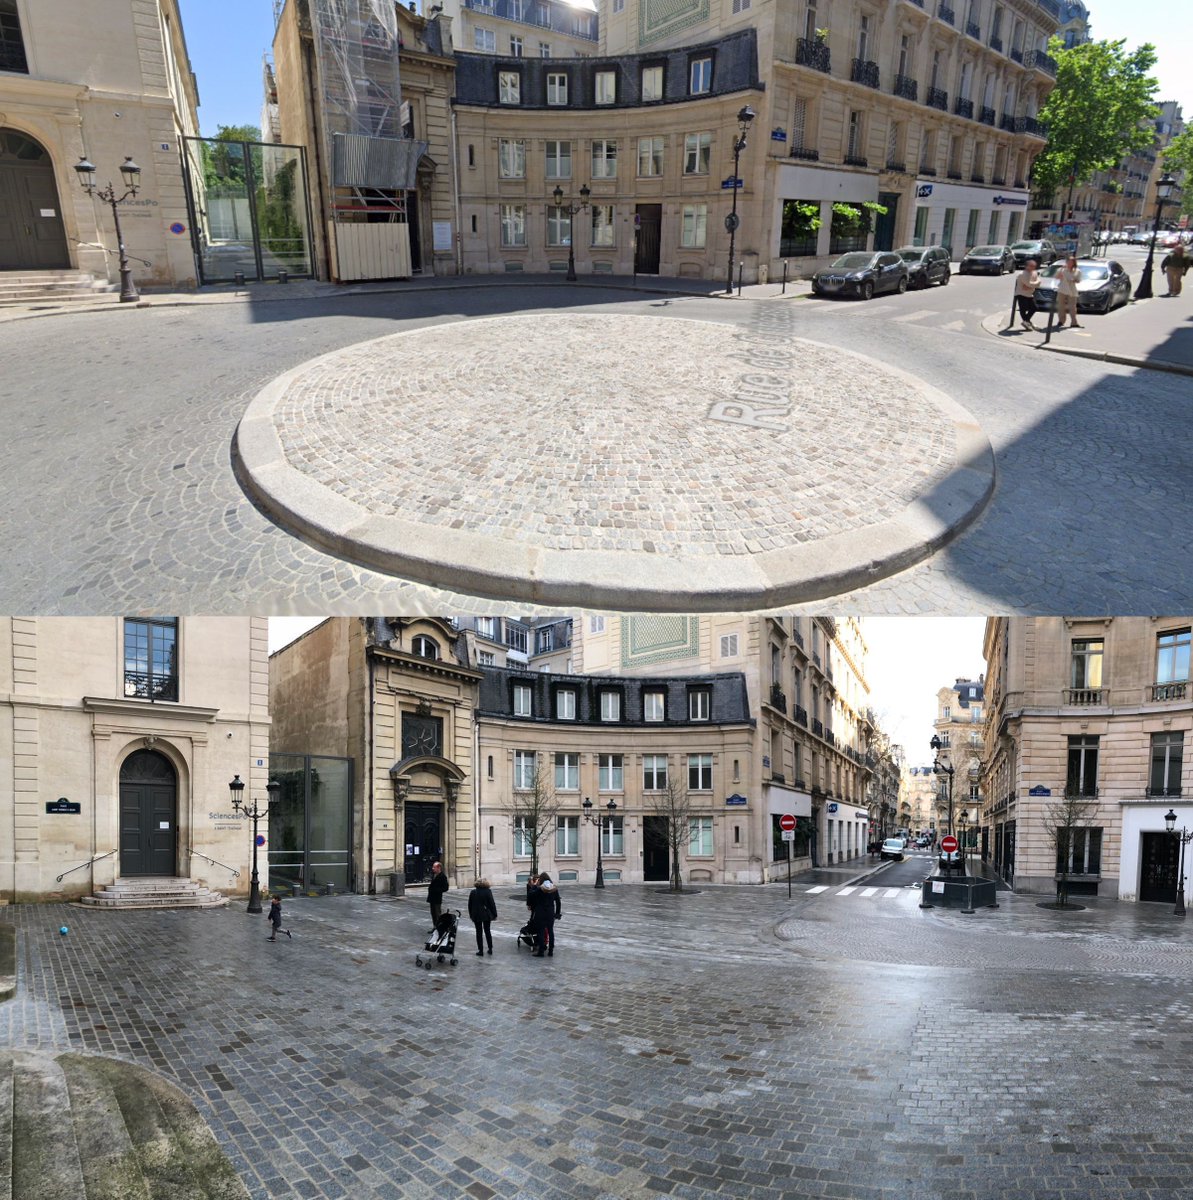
<point>148,815</point>
<point>32,234</point>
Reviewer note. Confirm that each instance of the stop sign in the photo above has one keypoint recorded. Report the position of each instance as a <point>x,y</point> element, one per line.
<point>948,844</point>
<point>787,822</point>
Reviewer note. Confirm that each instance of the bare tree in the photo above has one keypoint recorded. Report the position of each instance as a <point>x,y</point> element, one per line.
<point>672,804</point>
<point>535,809</point>
<point>1061,821</point>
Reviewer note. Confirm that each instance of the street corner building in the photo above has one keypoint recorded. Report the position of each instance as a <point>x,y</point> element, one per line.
<point>106,81</point>
<point>118,740</point>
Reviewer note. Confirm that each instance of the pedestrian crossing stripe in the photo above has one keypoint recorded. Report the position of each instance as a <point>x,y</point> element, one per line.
<point>868,891</point>
<point>847,891</point>
<point>812,891</point>
<point>917,315</point>
<point>888,893</point>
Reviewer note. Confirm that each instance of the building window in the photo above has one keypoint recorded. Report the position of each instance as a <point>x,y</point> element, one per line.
<point>567,772</point>
<point>693,233</point>
<point>522,701</point>
<point>559,160</point>
<point>1083,854</point>
<point>596,624</point>
<point>654,772</point>
<point>12,45</point>
<point>605,87</point>
<point>729,645</point>
<point>699,772</point>
<point>618,6</point>
<point>565,704</point>
<point>559,233</point>
<point>699,703</point>
<point>797,686</point>
<point>523,770</point>
<point>544,49</point>
<point>975,715</point>
<point>700,76</point>
<point>1167,754</point>
<point>523,838</point>
<point>511,158</point>
<point>946,712</point>
<point>650,157</point>
<point>509,87</point>
<point>567,836</point>
<point>544,640</point>
<point>699,837</point>
<point>654,706</point>
<point>1082,776</point>
<point>513,233</point>
<point>697,153</point>
<point>604,159</point>
<point>602,224</point>
<point>613,836</point>
<point>1172,656</point>
<point>486,627</point>
<point>515,635</point>
<point>151,658</point>
<point>424,647</point>
<point>485,658</point>
<point>557,88</point>
<point>515,48</point>
<point>741,6</point>
<point>610,706</point>
<point>854,146</point>
<point>652,83</point>
<point>484,40</point>
<point>610,773</point>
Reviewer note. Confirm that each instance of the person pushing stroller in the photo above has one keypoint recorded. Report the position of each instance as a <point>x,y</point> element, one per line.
<point>546,909</point>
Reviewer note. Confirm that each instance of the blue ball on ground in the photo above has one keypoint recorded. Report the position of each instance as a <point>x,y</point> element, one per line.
<point>64,930</point>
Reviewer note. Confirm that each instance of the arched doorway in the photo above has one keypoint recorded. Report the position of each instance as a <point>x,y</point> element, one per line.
<point>32,235</point>
<point>148,814</point>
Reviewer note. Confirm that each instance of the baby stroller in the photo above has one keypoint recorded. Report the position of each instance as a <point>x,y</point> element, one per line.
<point>527,937</point>
<point>441,942</point>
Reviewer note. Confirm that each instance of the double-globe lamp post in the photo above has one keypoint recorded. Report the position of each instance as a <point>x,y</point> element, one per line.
<point>941,771</point>
<point>131,175</point>
<point>254,814</point>
<point>1164,188</point>
<point>595,818</point>
<point>571,210</point>
<point>732,221</point>
<point>1186,836</point>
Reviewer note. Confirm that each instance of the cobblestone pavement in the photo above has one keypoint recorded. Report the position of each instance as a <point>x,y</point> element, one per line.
<point>728,1043</point>
<point>138,409</point>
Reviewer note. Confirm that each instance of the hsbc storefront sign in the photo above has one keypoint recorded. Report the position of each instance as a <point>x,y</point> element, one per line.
<point>945,214</point>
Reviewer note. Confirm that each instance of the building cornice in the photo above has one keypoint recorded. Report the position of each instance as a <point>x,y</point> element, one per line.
<point>161,710</point>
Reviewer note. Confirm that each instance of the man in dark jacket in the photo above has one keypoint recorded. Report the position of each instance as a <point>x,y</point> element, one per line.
<point>482,909</point>
<point>547,910</point>
<point>435,893</point>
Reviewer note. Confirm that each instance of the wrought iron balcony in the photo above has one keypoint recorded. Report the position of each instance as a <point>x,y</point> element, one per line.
<point>938,98</point>
<point>804,153</point>
<point>1174,791</point>
<point>817,727</point>
<point>977,177</point>
<point>812,52</point>
<point>1001,181</point>
<point>140,685</point>
<point>973,30</point>
<point>778,699</point>
<point>1020,183</point>
<point>1170,691</point>
<point>946,14</point>
<point>1080,791</point>
<point>954,174</point>
<point>1031,126</point>
<point>1039,61</point>
<point>987,115</point>
<point>862,70</point>
<point>12,58</point>
<point>898,167</point>
<point>906,87</point>
<point>1007,122</point>
<point>828,736</point>
<point>963,107</point>
<point>929,171</point>
<point>996,44</point>
<point>1016,55</point>
<point>778,777</point>
<point>801,716</point>
<point>798,638</point>
<point>1079,697</point>
<point>853,160</point>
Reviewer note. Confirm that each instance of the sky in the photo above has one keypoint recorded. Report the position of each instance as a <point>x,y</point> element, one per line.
<point>227,38</point>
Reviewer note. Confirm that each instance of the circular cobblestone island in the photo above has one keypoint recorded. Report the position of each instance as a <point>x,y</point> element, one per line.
<point>615,461</point>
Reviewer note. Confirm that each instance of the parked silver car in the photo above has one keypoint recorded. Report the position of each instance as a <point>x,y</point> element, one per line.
<point>1104,285</point>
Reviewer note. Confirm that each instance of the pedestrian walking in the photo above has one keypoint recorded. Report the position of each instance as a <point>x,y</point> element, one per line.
<point>1174,266</point>
<point>547,910</point>
<point>1026,283</point>
<point>482,909</point>
<point>275,919</point>
<point>1068,277</point>
<point>435,893</point>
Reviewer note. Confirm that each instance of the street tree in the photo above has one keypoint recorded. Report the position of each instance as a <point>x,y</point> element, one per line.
<point>1100,111</point>
<point>1062,819</point>
<point>533,811</point>
<point>673,806</point>
<point>1178,159</point>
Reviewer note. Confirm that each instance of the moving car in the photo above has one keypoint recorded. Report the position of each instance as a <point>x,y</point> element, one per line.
<point>926,265</point>
<point>1040,249</point>
<point>892,848</point>
<point>988,260</point>
<point>862,273</point>
<point>1104,285</point>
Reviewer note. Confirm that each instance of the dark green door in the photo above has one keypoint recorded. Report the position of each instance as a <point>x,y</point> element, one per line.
<point>884,226</point>
<point>656,860</point>
<point>32,236</point>
<point>424,840</point>
<point>148,815</point>
<point>1157,879</point>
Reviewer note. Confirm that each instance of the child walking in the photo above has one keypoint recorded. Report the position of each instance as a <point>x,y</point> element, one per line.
<point>275,919</point>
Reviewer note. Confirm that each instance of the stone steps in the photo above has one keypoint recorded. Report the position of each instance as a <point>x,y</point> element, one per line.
<point>82,1127</point>
<point>37,287</point>
<point>154,892</point>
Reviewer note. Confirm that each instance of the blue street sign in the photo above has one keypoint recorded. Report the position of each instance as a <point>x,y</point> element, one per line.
<point>728,183</point>
<point>1040,790</point>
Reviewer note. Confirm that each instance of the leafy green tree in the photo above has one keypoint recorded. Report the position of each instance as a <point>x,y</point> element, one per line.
<point>1178,157</point>
<point>237,133</point>
<point>1099,112</point>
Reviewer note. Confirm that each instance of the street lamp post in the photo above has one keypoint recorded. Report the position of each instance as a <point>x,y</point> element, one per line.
<point>595,818</point>
<point>131,175</point>
<point>963,826</point>
<point>732,221</point>
<point>254,814</point>
<point>1186,836</point>
<point>1164,187</point>
<point>571,210</point>
<point>941,771</point>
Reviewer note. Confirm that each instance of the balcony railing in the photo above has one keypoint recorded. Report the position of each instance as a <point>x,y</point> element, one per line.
<point>1080,791</point>
<point>817,727</point>
<point>1170,691</point>
<point>798,638</point>
<point>778,699</point>
<point>12,58</point>
<point>1016,55</point>
<point>954,174</point>
<point>1165,792</point>
<point>898,167</point>
<point>946,14</point>
<point>828,737</point>
<point>1007,122</point>
<point>977,177</point>
<point>996,44</point>
<point>812,52</point>
<point>987,115</point>
<point>906,87</point>
<point>1030,125</point>
<point>1001,181</point>
<point>963,108</point>
<point>938,98</point>
<point>801,716</point>
<point>1039,61</point>
<point>973,30</point>
<point>1080,697</point>
<point>862,70</point>
<point>854,160</point>
<point>929,171</point>
<point>139,685</point>
<point>804,153</point>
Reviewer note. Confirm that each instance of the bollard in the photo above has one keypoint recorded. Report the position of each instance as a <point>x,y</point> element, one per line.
<point>283,277</point>
<point>784,291</point>
<point>295,890</point>
<point>238,279</point>
<point>1051,318</point>
<point>329,889</point>
<point>740,267</point>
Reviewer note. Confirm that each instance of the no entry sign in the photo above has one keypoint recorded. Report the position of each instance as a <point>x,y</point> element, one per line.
<point>948,844</point>
<point>787,822</point>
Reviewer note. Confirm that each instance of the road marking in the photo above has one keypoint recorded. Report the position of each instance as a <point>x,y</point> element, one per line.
<point>917,315</point>
<point>959,326</point>
<point>891,893</point>
<point>812,891</point>
<point>847,891</point>
<point>869,891</point>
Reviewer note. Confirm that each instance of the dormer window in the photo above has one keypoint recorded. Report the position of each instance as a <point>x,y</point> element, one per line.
<point>565,704</point>
<point>509,87</point>
<point>654,705</point>
<point>557,88</point>
<point>424,647</point>
<point>652,83</point>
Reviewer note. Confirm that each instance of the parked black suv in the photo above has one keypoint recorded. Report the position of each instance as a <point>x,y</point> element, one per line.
<point>926,265</point>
